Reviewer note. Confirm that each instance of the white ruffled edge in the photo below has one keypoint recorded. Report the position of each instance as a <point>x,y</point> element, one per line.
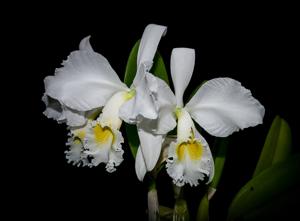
<point>76,155</point>
<point>187,171</point>
<point>112,155</point>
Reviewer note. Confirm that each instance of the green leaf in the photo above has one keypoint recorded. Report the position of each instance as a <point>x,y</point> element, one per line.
<point>133,138</point>
<point>203,209</point>
<point>131,68</point>
<point>277,145</point>
<point>158,69</point>
<point>284,207</point>
<point>221,147</point>
<point>284,143</point>
<point>266,187</point>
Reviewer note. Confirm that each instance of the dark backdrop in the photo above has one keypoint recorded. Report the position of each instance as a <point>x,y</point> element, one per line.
<point>255,45</point>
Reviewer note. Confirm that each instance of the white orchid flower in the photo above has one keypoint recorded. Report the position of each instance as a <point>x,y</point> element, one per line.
<point>86,82</point>
<point>221,106</point>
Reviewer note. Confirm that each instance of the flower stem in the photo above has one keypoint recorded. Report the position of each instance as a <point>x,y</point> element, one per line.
<point>153,205</point>
<point>180,212</point>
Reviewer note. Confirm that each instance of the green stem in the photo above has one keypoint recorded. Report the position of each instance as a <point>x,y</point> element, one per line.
<point>153,204</point>
<point>181,212</point>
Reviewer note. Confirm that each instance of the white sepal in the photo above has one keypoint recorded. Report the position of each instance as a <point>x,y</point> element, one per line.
<point>182,66</point>
<point>150,145</point>
<point>140,166</point>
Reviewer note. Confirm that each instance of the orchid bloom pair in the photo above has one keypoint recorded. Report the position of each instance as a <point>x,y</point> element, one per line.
<point>87,85</point>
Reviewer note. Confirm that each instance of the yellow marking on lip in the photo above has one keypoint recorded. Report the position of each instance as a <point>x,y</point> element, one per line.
<point>194,149</point>
<point>103,134</point>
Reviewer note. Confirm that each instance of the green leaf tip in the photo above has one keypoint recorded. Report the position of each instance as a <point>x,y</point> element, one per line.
<point>277,147</point>
<point>159,68</point>
<point>131,66</point>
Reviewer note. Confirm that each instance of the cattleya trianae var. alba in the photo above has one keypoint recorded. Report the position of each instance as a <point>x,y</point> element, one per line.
<point>221,106</point>
<point>86,84</point>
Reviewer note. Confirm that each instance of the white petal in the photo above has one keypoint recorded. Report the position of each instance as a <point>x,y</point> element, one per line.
<point>165,148</point>
<point>166,120</point>
<point>174,169</point>
<point>104,146</point>
<point>110,112</point>
<point>99,152</point>
<point>116,153</point>
<point>161,90</point>
<point>208,161</point>
<point>85,44</point>
<point>187,170</point>
<point>85,81</point>
<point>165,102</point>
<point>151,147</point>
<point>75,154</point>
<point>164,123</point>
<point>140,166</point>
<point>142,105</point>
<point>53,108</point>
<point>63,114</point>
<point>149,43</point>
<point>182,66</point>
<point>74,118</point>
<point>222,106</point>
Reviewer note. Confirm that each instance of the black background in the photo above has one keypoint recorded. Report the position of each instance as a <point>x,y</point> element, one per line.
<point>254,44</point>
